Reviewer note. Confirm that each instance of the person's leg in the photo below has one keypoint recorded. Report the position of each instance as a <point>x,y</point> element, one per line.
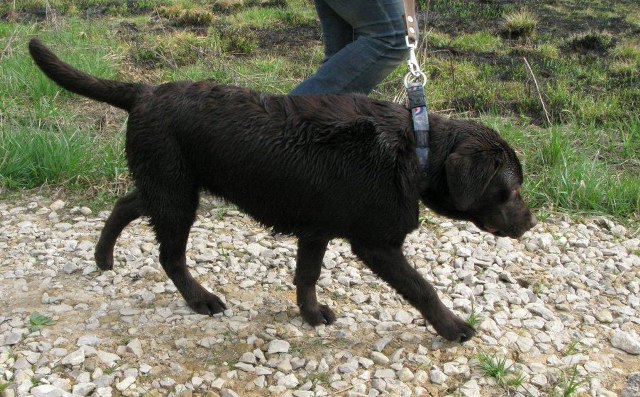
<point>336,32</point>
<point>378,49</point>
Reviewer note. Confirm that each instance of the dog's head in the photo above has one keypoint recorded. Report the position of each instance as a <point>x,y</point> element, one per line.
<point>481,183</point>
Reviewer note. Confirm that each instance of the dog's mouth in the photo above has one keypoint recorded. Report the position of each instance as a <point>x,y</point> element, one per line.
<point>495,231</point>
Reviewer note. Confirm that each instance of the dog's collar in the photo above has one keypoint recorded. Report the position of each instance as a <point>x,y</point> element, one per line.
<point>418,107</point>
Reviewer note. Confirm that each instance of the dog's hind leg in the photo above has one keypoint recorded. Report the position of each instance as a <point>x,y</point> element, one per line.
<point>126,210</point>
<point>172,214</point>
<point>308,265</point>
<point>390,264</point>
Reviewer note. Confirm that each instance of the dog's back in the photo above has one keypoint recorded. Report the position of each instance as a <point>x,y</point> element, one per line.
<point>301,155</point>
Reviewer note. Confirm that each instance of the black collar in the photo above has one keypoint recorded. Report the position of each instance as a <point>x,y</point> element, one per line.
<point>418,107</point>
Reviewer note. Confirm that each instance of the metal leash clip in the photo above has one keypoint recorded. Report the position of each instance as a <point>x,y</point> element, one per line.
<point>414,67</point>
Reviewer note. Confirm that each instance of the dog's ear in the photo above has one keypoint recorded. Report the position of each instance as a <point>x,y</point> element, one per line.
<point>468,176</point>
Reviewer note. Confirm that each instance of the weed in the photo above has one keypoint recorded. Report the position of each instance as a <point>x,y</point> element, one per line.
<point>5,386</point>
<point>221,213</point>
<point>38,321</point>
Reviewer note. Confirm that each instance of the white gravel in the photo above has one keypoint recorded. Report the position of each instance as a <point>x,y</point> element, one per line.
<point>562,301</point>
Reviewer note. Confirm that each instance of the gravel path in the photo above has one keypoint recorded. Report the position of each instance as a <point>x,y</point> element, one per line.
<point>559,310</point>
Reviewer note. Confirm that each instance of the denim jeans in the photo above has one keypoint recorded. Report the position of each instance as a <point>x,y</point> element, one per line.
<point>364,41</point>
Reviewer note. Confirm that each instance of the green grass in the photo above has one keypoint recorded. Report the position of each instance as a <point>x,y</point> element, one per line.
<point>569,383</point>
<point>499,369</point>
<point>519,25</point>
<point>588,162</point>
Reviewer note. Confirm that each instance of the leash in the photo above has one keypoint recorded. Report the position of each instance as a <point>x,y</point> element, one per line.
<point>415,90</point>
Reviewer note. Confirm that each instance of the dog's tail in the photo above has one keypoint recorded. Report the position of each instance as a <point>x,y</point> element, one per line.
<point>116,93</point>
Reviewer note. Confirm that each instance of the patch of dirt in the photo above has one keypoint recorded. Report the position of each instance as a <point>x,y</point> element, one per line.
<point>289,40</point>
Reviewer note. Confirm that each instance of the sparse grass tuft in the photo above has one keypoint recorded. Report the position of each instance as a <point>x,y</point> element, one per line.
<point>589,42</point>
<point>194,16</point>
<point>477,42</point>
<point>501,370</point>
<point>520,25</point>
<point>569,384</point>
<point>174,51</point>
<point>626,58</point>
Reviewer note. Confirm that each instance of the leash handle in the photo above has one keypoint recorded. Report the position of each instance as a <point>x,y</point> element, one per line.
<point>411,29</point>
<point>411,22</point>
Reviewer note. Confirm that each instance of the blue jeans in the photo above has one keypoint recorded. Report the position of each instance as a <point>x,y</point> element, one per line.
<point>364,41</point>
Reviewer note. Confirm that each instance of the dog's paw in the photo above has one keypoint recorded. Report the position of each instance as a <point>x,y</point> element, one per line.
<point>455,329</point>
<point>208,305</point>
<point>321,314</point>
<point>104,262</point>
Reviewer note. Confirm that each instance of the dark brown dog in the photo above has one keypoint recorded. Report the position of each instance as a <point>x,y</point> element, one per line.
<point>318,167</point>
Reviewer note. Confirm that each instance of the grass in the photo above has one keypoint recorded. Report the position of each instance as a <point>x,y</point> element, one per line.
<point>519,25</point>
<point>569,384</point>
<point>588,162</point>
<point>500,370</point>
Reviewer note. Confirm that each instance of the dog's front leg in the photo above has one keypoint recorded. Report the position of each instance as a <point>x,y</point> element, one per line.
<point>308,265</point>
<point>390,264</point>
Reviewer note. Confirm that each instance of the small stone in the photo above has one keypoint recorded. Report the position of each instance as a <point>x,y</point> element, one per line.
<point>248,358</point>
<point>539,380</point>
<point>88,340</point>
<point>626,341</point>
<point>57,205</point>
<point>13,338</point>
<point>218,383</point>
<point>228,393</point>
<point>348,367</point>
<point>437,377</point>
<point>278,346</point>
<point>405,375</point>
<point>83,389</point>
<point>74,358</point>
<point>604,316</point>
<point>470,389</point>
<point>260,381</point>
<point>260,370</point>
<point>381,343</point>
<point>524,344</point>
<point>289,381</point>
<point>125,383</point>
<point>135,347</point>
<point>247,283</point>
<point>403,317</point>
<point>385,373</point>
<point>379,358</point>
<point>108,358</point>
<point>632,387</point>
<point>47,391</point>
